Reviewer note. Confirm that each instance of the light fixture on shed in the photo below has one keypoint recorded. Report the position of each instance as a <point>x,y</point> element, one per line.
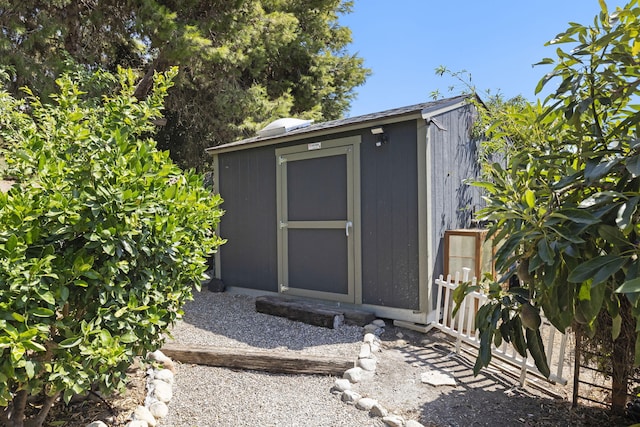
<point>381,137</point>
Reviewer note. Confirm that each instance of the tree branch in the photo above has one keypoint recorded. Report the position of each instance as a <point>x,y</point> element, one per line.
<point>16,415</point>
<point>146,83</point>
<point>44,411</point>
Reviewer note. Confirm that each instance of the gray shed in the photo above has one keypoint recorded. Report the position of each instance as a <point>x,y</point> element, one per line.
<point>351,211</point>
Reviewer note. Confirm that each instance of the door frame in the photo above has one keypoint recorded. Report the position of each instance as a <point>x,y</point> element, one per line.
<point>354,294</point>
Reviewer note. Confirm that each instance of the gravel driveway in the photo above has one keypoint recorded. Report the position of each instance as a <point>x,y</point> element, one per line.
<point>208,396</point>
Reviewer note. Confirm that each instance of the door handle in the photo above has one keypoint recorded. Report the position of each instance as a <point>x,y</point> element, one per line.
<point>346,227</point>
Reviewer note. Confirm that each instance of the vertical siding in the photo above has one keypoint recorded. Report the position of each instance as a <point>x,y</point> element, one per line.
<point>390,218</point>
<point>248,187</point>
<point>453,160</point>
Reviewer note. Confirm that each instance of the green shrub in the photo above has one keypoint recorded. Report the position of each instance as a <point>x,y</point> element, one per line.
<point>102,239</point>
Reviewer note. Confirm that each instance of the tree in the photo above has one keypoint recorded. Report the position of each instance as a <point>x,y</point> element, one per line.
<point>565,210</point>
<point>102,239</point>
<point>242,63</point>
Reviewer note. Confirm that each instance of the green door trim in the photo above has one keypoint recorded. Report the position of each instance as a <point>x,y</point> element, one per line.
<point>350,147</point>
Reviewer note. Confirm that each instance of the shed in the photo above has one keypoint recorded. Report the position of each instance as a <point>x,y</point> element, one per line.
<point>351,212</point>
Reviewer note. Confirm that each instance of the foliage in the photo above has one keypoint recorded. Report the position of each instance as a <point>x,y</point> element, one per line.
<point>565,210</point>
<point>503,124</point>
<point>101,240</point>
<point>242,63</point>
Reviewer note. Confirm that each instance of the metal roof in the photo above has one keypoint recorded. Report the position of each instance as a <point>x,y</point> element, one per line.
<point>426,109</point>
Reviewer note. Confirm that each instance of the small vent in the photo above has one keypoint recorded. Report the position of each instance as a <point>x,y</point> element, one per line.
<point>282,126</point>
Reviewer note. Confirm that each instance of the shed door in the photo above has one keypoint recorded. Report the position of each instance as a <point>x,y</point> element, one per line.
<point>316,224</point>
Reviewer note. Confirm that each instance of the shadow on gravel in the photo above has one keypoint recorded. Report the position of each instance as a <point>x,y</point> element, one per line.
<point>492,398</point>
<point>477,407</point>
<point>211,318</point>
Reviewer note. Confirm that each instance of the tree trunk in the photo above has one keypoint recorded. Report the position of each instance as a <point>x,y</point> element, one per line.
<point>15,416</point>
<point>39,420</point>
<point>146,83</point>
<point>622,358</point>
<point>620,376</point>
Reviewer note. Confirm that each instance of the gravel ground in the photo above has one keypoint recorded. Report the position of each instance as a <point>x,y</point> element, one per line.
<point>208,396</point>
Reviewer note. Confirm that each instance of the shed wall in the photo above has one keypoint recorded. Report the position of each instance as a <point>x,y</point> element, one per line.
<point>390,218</point>
<point>248,186</point>
<point>453,160</point>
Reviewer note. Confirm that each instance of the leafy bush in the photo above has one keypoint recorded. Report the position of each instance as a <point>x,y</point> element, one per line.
<point>102,239</point>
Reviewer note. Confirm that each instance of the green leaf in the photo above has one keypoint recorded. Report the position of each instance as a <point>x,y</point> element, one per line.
<point>64,294</point>
<point>17,351</point>
<point>545,252</point>
<point>47,297</point>
<point>595,171</point>
<point>75,116</point>
<point>588,269</point>
<point>42,312</point>
<point>128,338</point>
<point>32,345</point>
<point>633,165</point>
<point>109,248</point>
<point>517,337</point>
<point>536,349</point>
<point>12,243</point>
<point>625,213</point>
<point>484,356</point>
<point>30,369</point>
<point>579,216</point>
<point>612,235</point>
<point>608,270</point>
<point>18,317</point>
<point>629,286</point>
<point>530,198</point>
<point>91,274</point>
<point>70,342</point>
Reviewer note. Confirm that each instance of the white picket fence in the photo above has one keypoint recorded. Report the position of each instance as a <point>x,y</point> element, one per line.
<point>462,328</point>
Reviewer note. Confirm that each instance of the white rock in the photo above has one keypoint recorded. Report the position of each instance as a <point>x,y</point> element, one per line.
<point>369,337</point>
<point>367,364</point>
<point>437,378</point>
<point>142,414</point>
<point>164,375</point>
<point>97,424</point>
<point>162,391</point>
<point>393,421</point>
<point>350,397</point>
<point>354,375</point>
<point>137,423</point>
<point>378,410</point>
<point>379,322</point>
<point>366,403</point>
<point>374,347</point>
<point>342,384</point>
<point>158,356</point>
<point>365,351</point>
<point>412,423</point>
<point>159,409</point>
<point>400,335</point>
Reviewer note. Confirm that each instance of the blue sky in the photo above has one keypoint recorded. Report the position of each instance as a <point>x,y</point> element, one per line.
<point>497,41</point>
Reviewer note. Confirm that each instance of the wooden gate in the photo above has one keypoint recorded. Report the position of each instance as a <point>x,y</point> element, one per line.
<point>462,328</point>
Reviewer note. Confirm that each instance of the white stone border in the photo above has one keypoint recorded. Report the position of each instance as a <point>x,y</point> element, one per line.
<point>365,370</point>
<point>159,393</point>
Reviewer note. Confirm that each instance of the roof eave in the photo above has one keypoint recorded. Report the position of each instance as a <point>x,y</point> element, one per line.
<point>317,130</point>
